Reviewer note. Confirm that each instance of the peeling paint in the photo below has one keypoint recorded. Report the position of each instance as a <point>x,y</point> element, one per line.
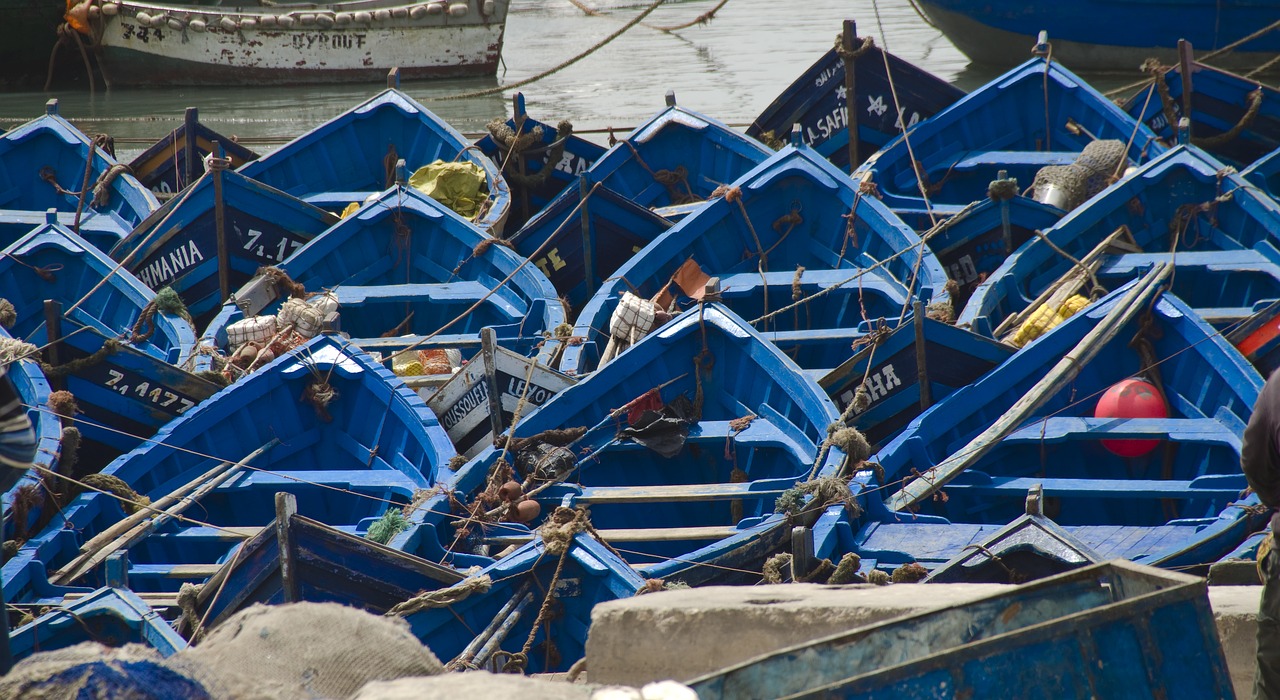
<point>136,54</point>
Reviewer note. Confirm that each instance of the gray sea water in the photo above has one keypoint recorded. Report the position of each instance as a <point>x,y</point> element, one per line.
<point>730,68</point>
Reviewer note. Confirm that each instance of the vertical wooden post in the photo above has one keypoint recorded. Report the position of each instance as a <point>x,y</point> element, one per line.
<point>191,152</point>
<point>588,253</point>
<point>847,39</point>
<point>1186,64</point>
<point>801,552</point>
<point>220,223</point>
<point>520,116</point>
<point>489,355</point>
<point>286,507</point>
<point>118,569</point>
<point>922,366</point>
<point>53,338</point>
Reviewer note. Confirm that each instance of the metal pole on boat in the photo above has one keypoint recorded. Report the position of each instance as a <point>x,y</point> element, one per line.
<point>191,156</point>
<point>217,165</point>
<point>588,258</point>
<point>847,38</point>
<point>1186,63</point>
<point>922,368</point>
<point>53,337</point>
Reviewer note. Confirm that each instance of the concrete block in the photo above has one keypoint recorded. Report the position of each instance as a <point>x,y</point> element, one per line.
<point>683,634</point>
<point>1235,609</point>
<point>472,684</point>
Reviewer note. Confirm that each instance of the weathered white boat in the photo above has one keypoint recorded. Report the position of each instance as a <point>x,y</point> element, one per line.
<point>147,43</point>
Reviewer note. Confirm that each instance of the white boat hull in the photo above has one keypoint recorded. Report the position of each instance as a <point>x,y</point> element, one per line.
<point>157,45</point>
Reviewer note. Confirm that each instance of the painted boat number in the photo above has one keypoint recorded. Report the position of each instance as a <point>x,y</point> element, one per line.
<point>143,390</point>
<point>287,246</point>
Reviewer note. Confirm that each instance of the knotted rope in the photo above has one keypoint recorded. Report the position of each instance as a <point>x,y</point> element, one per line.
<point>442,598</point>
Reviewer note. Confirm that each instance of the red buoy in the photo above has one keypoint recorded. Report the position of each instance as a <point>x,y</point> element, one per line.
<point>1131,398</point>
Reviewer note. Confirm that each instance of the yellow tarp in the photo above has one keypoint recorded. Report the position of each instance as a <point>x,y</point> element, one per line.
<point>456,185</point>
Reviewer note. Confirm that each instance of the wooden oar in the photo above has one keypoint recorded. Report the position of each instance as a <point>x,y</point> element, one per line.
<point>1070,282</point>
<point>127,531</point>
<point>1061,375</point>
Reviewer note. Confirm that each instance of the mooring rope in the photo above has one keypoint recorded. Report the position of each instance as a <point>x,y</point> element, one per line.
<point>556,69</point>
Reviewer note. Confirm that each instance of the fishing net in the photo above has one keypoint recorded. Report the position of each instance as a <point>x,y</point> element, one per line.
<point>312,650</point>
<point>1068,186</point>
<point>91,671</point>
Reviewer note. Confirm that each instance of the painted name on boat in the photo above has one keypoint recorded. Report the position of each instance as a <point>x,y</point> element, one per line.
<point>879,383</point>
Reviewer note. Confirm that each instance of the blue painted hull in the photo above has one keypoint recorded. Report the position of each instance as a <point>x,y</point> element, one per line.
<point>406,273</point>
<point>1178,505</point>
<point>1108,36</point>
<point>686,515</point>
<point>162,168</point>
<point>126,395</point>
<point>1219,104</point>
<point>796,205</point>
<point>51,147</point>
<point>1225,255</point>
<point>1151,633</point>
<point>523,580</point>
<point>109,616</point>
<point>532,185</point>
<point>890,368</point>
<point>698,152</point>
<point>577,263</point>
<point>33,389</point>
<point>177,246</point>
<point>1002,126</point>
<point>379,446</point>
<point>817,102</point>
<point>343,160</point>
<point>972,245</point>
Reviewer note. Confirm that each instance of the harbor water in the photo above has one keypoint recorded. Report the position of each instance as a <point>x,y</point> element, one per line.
<point>731,68</point>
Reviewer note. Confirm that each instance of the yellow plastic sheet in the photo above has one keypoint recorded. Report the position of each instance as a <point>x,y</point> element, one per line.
<point>456,185</point>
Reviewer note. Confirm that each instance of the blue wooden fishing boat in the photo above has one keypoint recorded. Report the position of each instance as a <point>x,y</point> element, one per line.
<point>818,102</point>
<point>974,243</point>
<point>45,164</point>
<point>681,447</point>
<point>177,246</point>
<point>112,615</point>
<point>407,273</point>
<point>579,243</point>
<point>353,156</point>
<point>109,342</point>
<point>1158,491</point>
<point>1097,35</point>
<point>670,164</point>
<point>21,510</point>
<point>1262,173</point>
<point>904,370</point>
<point>296,558</point>
<point>537,159</point>
<point>504,623</point>
<point>1258,338</point>
<point>1146,634</point>
<point>327,424</point>
<point>1175,208</point>
<point>177,160</point>
<point>675,159</point>
<point>795,246</point>
<point>1234,118</point>
<point>1036,115</point>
